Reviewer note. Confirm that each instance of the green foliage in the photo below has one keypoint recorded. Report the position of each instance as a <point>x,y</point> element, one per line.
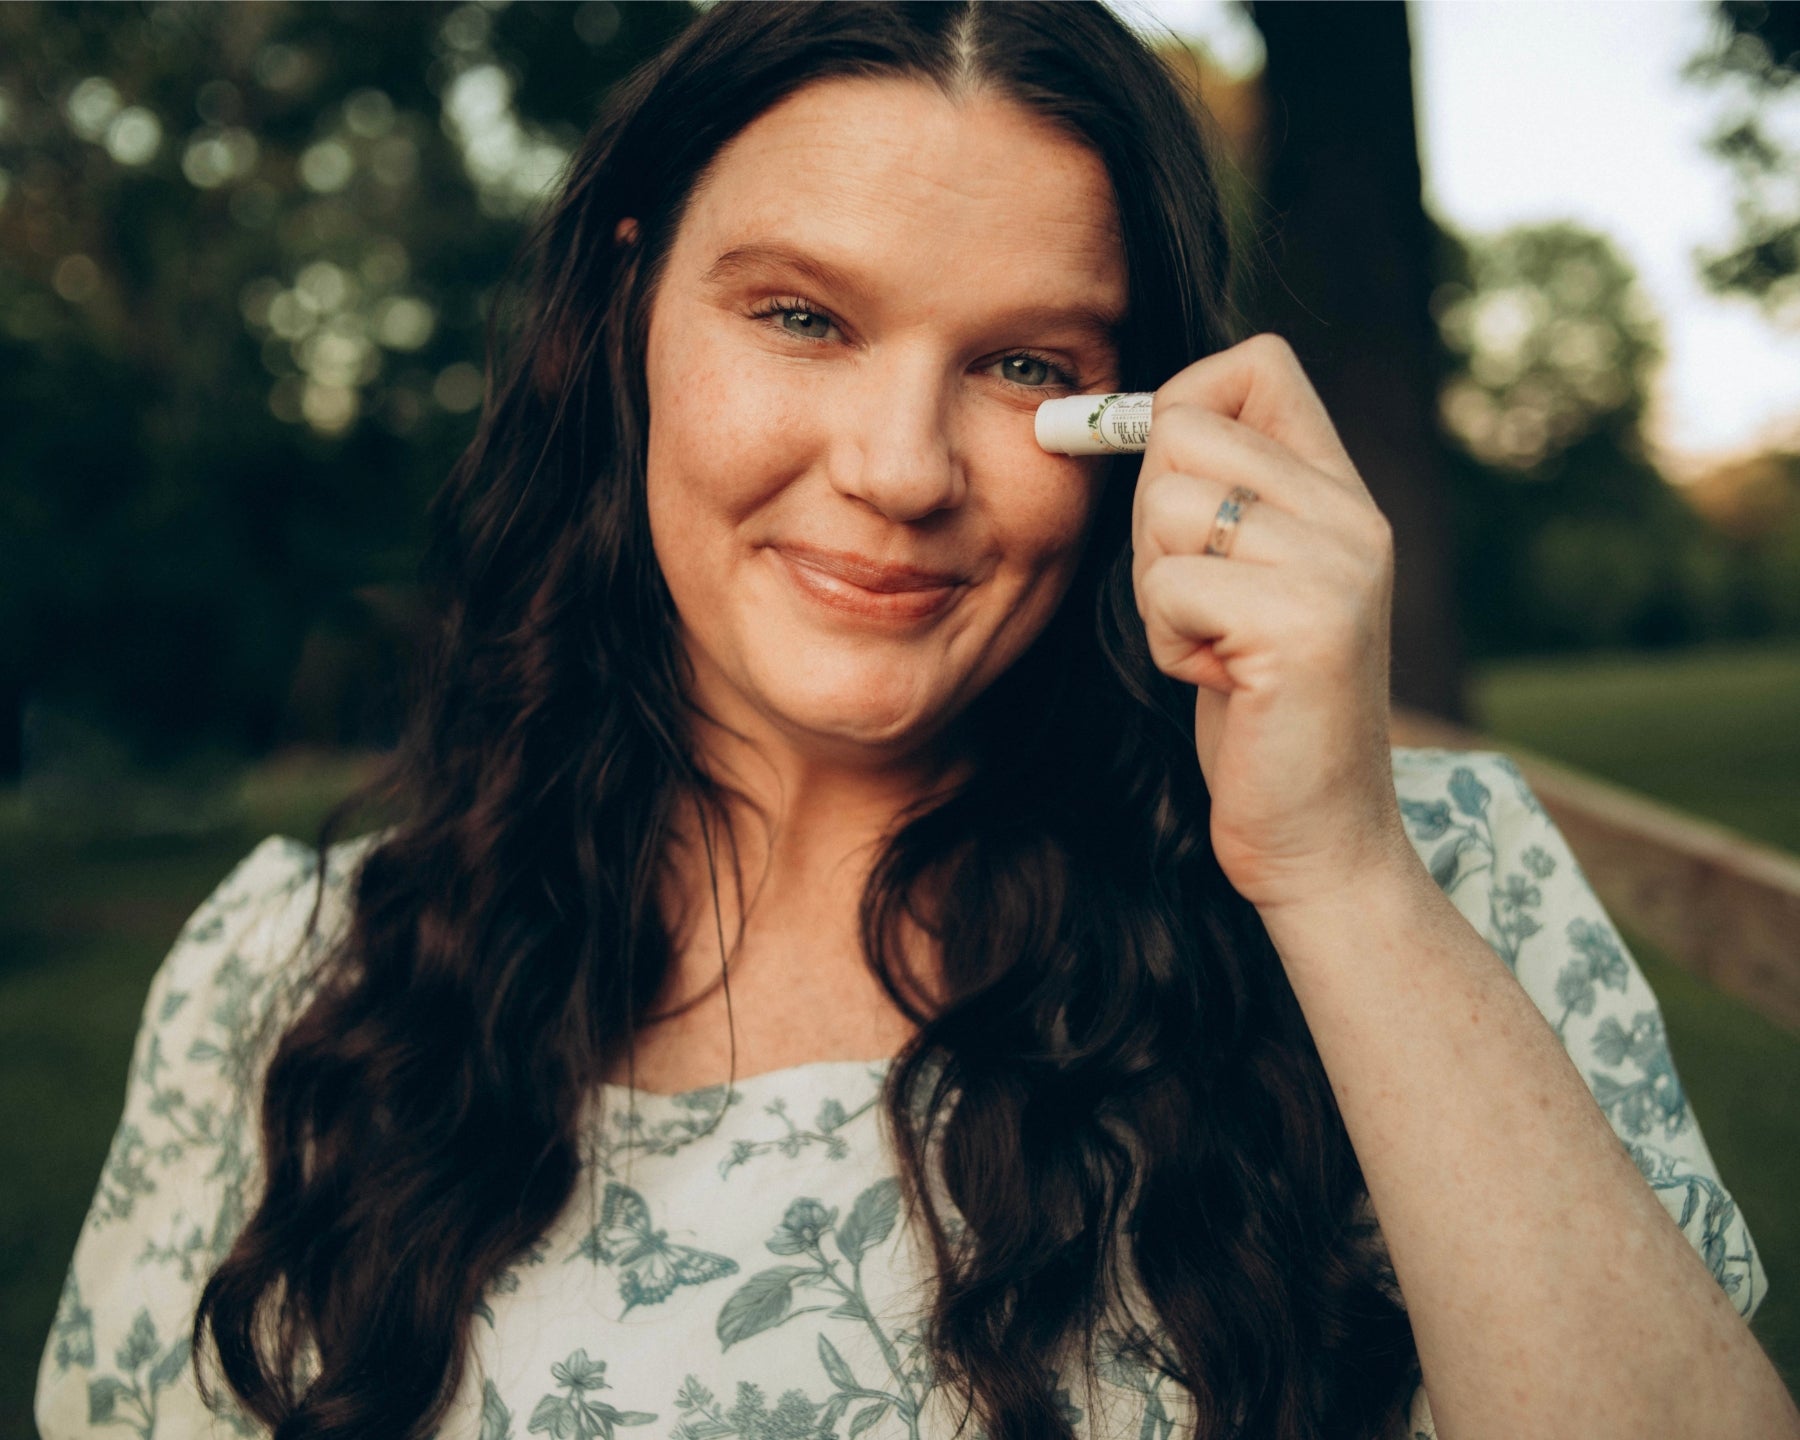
<point>1556,344</point>
<point>1753,61</point>
<point>246,256</point>
<point>1567,535</point>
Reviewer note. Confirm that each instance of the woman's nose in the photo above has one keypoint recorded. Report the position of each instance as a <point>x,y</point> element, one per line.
<point>895,449</point>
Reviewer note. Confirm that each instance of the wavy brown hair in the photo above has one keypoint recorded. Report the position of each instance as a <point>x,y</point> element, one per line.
<point>1114,1088</point>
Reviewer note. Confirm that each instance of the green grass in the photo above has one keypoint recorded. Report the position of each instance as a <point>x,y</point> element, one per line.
<point>1715,733</point>
<point>84,925</point>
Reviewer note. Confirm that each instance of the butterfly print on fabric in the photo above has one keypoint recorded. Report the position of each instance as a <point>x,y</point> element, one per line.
<point>650,1269</point>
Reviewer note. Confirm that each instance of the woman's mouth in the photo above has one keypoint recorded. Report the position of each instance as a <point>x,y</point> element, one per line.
<point>856,585</point>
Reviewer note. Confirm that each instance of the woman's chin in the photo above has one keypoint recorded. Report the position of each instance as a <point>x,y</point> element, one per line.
<point>875,735</point>
<point>851,721</point>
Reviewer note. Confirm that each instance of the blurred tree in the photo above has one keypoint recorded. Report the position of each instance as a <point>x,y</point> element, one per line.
<point>1754,59</point>
<point>1554,341</point>
<point>246,252</point>
<point>1567,534</point>
<point>1350,286</point>
<point>1229,108</point>
<point>245,257</point>
<point>1755,502</point>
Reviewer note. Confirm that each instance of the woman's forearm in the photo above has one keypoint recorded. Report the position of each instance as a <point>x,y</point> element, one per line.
<point>1550,1292</point>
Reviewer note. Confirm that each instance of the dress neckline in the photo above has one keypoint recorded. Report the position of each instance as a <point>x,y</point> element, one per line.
<point>745,1085</point>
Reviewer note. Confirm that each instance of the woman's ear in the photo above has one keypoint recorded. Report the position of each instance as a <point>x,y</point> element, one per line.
<point>625,232</point>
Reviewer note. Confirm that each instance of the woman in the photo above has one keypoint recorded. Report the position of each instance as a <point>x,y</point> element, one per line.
<point>792,711</point>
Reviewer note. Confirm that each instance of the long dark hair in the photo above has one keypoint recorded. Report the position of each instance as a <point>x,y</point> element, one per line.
<point>1115,1088</point>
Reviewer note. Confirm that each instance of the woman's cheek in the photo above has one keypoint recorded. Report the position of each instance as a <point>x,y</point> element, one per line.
<point>749,426</point>
<point>700,437</point>
<point>1044,502</point>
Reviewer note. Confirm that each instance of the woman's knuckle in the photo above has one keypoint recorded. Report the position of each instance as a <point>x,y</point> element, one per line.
<point>1377,532</point>
<point>1274,348</point>
<point>1158,582</point>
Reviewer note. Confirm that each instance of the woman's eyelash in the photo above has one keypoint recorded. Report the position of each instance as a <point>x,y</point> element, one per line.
<point>790,304</point>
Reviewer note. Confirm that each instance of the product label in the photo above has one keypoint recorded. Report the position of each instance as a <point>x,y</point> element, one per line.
<point>1122,422</point>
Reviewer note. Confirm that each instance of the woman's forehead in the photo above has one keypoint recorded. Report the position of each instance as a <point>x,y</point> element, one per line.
<point>893,176</point>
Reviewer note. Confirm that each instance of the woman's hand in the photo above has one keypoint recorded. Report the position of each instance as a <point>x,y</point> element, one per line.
<point>1287,638</point>
<point>1528,1221</point>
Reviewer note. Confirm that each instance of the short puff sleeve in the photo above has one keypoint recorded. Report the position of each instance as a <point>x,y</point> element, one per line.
<point>1500,859</point>
<point>180,1175</point>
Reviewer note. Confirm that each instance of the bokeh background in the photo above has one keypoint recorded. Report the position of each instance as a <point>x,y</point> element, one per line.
<point>246,256</point>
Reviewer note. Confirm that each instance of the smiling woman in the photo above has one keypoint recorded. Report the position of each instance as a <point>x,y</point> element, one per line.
<point>868,296</point>
<point>873,286</point>
<point>910,924</point>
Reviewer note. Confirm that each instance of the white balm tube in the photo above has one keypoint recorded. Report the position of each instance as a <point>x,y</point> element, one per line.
<point>1095,424</point>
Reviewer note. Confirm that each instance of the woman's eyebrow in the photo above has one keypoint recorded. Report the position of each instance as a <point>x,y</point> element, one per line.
<point>1098,323</point>
<point>762,254</point>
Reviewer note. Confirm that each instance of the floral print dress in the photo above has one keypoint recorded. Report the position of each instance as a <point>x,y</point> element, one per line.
<point>733,1263</point>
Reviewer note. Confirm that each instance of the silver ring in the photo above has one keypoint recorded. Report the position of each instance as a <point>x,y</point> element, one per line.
<point>1225,523</point>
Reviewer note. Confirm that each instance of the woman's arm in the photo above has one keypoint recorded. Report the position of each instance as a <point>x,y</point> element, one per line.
<point>1550,1292</point>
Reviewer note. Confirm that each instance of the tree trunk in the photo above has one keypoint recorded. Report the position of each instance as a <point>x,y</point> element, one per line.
<point>1348,283</point>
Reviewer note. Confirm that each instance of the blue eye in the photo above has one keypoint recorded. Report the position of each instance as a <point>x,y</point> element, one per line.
<point>810,317</point>
<point>781,312</point>
<point>1042,372</point>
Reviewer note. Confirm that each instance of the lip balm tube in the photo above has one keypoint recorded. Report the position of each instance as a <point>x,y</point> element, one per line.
<point>1095,424</point>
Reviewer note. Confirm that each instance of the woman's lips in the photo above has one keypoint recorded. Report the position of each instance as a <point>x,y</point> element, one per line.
<point>849,584</point>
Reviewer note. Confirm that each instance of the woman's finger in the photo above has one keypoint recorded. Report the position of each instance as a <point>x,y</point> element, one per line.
<point>1202,613</point>
<point>1174,514</point>
<point>1192,439</point>
<point>1260,381</point>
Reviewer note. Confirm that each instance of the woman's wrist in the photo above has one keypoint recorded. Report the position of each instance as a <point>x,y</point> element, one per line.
<point>1392,887</point>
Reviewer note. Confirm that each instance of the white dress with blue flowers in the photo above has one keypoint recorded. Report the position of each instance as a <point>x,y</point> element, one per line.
<point>732,1264</point>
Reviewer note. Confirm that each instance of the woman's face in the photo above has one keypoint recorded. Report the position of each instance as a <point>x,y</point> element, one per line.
<point>871,291</point>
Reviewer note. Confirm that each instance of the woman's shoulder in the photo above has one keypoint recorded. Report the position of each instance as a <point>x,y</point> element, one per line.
<point>1421,770</point>
<point>245,956</point>
<point>1499,857</point>
<point>249,945</point>
<point>257,915</point>
<point>182,1169</point>
<point>1462,809</point>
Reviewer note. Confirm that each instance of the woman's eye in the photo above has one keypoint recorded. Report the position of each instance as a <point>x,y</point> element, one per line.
<point>1027,370</point>
<point>807,318</point>
<point>1033,373</point>
<point>793,316</point>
